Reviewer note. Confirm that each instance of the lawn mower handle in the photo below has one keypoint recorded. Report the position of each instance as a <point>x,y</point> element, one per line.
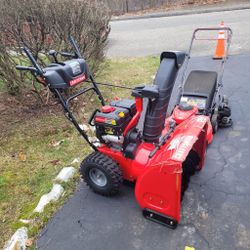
<point>211,29</point>
<point>223,61</point>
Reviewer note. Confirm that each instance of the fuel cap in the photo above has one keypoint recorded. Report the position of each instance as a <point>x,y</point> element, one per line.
<point>107,109</point>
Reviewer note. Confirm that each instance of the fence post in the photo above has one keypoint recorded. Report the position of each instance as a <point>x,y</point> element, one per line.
<point>127,9</point>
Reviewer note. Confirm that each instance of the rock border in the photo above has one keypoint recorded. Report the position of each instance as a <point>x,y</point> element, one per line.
<point>19,238</point>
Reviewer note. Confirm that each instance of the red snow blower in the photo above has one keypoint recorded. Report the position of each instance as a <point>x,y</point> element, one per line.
<point>136,140</point>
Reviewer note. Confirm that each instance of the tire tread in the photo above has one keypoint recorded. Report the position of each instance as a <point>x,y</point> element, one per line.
<point>109,165</point>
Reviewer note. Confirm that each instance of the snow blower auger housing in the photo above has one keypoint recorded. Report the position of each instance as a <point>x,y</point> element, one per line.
<point>135,140</point>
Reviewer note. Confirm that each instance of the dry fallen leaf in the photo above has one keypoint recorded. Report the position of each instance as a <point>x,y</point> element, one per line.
<point>29,242</point>
<point>22,156</point>
<point>58,143</point>
<point>52,142</point>
<point>17,245</point>
<point>54,162</point>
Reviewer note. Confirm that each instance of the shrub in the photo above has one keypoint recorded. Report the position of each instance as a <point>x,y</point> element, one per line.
<point>44,24</point>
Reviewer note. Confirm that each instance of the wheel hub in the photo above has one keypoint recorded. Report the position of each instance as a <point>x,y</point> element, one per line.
<point>98,177</point>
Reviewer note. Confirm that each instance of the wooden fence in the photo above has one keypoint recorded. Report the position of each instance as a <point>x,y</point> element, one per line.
<point>125,6</point>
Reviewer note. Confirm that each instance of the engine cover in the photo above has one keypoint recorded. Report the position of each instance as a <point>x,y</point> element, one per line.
<point>113,119</point>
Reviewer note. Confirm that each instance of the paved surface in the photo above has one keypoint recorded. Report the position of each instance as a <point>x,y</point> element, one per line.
<point>154,35</point>
<point>215,209</point>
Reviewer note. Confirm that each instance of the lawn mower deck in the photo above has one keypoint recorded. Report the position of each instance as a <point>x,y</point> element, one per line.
<point>135,139</point>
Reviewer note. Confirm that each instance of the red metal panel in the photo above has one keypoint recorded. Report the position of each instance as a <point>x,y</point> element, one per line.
<point>135,119</point>
<point>159,189</point>
<point>158,179</point>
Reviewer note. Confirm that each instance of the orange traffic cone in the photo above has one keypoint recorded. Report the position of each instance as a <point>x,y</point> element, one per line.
<point>220,48</point>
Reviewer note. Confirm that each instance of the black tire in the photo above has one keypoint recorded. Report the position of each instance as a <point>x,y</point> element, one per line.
<point>214,120</point>
<point>110,175</point>
<point>195,160</point>
<point>224,112</point>
<point>189,167</point>
<point>184,183</point>
<point>225,99</point>
<point>214,123</point>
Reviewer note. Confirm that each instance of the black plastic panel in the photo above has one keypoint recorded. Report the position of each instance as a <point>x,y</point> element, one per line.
<point>157,109</point>
<point>60,75</point>
<point>125,103</point>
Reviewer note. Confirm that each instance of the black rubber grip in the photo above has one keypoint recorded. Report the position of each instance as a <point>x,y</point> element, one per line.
<point>19,67</point>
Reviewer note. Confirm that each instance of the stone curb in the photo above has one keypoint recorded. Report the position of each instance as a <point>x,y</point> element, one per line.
<point>53,195</point>
<point>65,174</point>
<point>18,240</point>
<point>57,190</point>
<point>180,13</point>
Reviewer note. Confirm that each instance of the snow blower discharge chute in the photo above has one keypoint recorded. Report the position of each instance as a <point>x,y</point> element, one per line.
<point>136,140</point>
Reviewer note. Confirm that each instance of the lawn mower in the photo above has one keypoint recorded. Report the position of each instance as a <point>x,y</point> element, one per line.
<point>135,139</point>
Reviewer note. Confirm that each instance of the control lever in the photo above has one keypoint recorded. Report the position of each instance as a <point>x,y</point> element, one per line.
<point>53,53</point>
<point>67,54</point>
<point>164,138</point>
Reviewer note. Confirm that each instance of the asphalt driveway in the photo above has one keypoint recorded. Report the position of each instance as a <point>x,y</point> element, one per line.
<point>215,209</point>
<point>151,36</point>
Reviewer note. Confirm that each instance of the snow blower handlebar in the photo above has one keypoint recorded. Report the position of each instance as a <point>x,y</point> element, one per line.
<point>27,68</point>
<point>75,47</point>
<point>75,55</point>
<point>39,70</point>
<point>60,76</point>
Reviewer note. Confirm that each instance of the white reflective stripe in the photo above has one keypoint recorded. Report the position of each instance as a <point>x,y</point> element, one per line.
<point>221,36</point>
<point>221,32</point>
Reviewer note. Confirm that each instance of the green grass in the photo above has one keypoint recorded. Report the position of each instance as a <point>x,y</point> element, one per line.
<point>1,86</point>
<point>128,72</point>
<point>22,183</point>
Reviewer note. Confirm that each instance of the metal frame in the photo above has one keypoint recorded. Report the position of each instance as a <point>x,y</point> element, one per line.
<point>68,112</point>
<point>222,65</point>
<point>37,71</point>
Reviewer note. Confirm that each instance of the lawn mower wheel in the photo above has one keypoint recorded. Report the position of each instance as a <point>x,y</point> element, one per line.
<point>214,121</point>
